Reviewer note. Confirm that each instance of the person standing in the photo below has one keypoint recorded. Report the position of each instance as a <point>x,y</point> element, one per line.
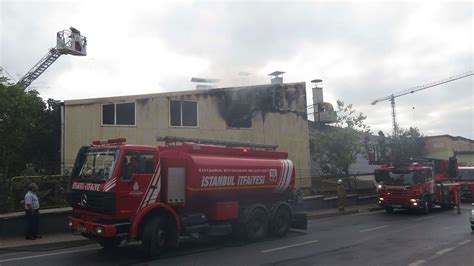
<point>32,212</point>
<point>341,193</point>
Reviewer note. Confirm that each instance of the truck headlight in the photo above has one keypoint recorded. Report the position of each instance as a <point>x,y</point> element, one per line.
<point>413,200</point>
<point>69,223</point>
<point>381,199</point>
<point>379,186</point>
<point>472,214</point>
<point>99,230</point>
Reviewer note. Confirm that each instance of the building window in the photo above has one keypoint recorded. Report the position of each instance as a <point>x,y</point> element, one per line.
<point>240,116</point>
<point>120,114</point>
<point>183,113</point>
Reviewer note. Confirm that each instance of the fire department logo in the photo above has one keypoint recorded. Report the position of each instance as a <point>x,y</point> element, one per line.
<point>273,174</point>
<point>136,190</point>
<point>83,202</point>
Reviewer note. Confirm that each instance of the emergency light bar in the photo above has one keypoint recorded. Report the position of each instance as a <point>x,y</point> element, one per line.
<point>109,141</point>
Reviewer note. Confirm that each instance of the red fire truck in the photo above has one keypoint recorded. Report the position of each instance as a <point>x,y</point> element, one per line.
<point>120,192</point>
<point>418,184</point>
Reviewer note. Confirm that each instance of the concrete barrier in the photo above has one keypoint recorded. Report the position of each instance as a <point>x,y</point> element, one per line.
<point>318,202</point>
<point>51,221</point>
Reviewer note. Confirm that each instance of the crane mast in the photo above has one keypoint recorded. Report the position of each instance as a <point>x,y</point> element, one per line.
<point>67,42</point>
<point>392,97</point>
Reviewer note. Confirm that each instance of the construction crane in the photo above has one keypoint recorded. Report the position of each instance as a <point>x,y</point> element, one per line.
<point>67,42</point>
<point>392,97</point>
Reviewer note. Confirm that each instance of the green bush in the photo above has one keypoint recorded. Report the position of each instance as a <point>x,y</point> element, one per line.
<point>52,192</point>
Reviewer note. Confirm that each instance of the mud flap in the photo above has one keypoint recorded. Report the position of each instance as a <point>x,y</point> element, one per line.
<point>300,221</point>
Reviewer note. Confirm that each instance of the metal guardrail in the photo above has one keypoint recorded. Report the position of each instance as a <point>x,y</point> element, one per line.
<point>226,143</point>
<point>52,192</point>
<point>361,185</point>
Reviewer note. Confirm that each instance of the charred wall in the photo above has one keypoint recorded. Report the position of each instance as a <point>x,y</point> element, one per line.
<point>238,106</point>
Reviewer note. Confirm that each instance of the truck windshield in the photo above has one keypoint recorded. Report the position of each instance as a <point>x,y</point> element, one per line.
<point>98,165</point>
<point>467,173</point>
<point>399,177</point>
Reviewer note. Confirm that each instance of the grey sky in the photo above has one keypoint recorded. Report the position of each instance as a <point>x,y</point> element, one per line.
<point>362,51</point>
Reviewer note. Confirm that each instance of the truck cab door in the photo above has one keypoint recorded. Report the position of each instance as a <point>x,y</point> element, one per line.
<point>136,171</point>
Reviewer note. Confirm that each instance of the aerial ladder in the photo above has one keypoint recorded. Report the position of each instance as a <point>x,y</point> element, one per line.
<point>67,42</point>
<point>392,97</point>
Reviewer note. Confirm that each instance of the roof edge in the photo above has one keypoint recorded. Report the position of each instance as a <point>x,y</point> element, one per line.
<point>165,94</point>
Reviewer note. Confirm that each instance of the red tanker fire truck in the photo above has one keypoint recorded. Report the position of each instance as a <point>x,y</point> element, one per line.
<point>122,192</point>
<point>418,184</point>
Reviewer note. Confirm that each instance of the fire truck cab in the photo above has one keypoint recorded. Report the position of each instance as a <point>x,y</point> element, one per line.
<point>418,185</point>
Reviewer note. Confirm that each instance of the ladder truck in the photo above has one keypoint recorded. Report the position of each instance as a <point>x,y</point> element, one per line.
<point>414,183</point>
<point>67,42</point>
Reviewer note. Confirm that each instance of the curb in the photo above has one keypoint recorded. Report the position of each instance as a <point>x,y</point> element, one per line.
<point>374,209</point>
<point>332,214</point>
<point>47,246</point>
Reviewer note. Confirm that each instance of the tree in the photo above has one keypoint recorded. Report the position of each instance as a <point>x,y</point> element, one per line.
<point>29,131</point>
<point>336,148</point>
<point>408,144</point>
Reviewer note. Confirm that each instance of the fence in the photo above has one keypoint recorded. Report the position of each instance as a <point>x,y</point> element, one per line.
<point>52,192</point>
<point>361,185</point>
<point>53,189</point>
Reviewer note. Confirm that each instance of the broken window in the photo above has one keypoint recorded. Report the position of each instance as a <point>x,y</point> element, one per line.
<point>121,114</point>
<point>183,113</point>
<point>240,116</point>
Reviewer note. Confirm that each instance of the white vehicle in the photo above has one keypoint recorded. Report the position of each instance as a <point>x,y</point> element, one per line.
<point>472,217</point>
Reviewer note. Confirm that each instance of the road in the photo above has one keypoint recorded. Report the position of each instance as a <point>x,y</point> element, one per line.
<point>377,238</point>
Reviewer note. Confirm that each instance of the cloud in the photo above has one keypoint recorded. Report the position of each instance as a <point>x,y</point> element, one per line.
<point>362,51</point>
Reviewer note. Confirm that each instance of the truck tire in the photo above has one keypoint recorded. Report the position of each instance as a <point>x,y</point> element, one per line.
<point>154,237</point>
<point>281,221</point>
<point>472,227</point>
<point>256,226</point>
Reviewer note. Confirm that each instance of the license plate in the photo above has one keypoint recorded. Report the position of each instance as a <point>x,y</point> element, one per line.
<point>396,206</point>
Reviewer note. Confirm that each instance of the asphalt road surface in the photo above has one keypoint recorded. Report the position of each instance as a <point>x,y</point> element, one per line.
<point>377,238</point>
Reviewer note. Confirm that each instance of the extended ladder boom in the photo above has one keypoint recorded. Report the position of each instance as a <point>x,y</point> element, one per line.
<point>67,42</point>
<point>39,68</point>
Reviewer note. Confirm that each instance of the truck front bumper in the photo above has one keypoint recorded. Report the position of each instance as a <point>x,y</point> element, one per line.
<point>411,205</point>
<point>92,229</point>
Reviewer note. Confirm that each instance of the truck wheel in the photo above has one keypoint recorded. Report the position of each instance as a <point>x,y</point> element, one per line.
<point>389,209</point>
<point>472,227</point>
<point>256,226</point>
<point>154,237</point>
<point>108,243</point>
<point>281,221</point>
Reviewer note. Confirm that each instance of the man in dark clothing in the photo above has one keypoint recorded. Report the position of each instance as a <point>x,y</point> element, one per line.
<point>32,212</point>
<point>341,194</point>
